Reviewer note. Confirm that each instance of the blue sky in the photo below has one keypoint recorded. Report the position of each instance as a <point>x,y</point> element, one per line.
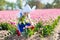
<point>43,1</point>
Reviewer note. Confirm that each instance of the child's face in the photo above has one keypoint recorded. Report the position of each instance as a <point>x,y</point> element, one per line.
<point>25,14</point>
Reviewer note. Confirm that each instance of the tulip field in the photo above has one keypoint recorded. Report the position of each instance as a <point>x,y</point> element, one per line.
<point>9,20</point>
<point>43,14</point>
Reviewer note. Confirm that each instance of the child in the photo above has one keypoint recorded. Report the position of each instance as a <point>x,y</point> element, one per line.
<point>25,20</point>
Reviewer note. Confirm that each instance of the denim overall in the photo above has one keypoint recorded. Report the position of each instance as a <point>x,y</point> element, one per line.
<point>22,25</point>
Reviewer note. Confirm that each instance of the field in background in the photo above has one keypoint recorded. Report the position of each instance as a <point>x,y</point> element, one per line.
<point>44,14</point>
<point>37,15</point>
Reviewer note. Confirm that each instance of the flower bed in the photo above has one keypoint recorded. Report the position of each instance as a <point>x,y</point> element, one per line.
<point>44,27</point>
<point>42,30</point>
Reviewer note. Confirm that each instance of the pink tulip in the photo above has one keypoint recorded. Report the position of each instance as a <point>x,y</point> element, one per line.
<point>44,14</point>
<point>13,23</point>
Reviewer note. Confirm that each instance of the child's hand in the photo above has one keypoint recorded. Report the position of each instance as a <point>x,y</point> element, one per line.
<point>31,26</point>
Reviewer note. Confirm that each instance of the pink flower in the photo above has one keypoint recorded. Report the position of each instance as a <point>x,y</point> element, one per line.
<point>13,23</point>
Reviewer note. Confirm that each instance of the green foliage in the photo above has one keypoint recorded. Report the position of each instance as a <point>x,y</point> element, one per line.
<point>4,26</point>
<point>55,23</point>
<point>56,4</point>
<point>11,5</point>
<point>47,29</point>
<point>2,4</point>
<point>38,26</point>
<point>9,27</point>
<point>19,4</point>
<point>48,5</point>
<point>28,32</point>
<point>36,3</point>
<point>58,17</point>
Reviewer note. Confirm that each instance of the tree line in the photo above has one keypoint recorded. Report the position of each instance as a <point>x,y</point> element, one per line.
<point>4,5</point>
